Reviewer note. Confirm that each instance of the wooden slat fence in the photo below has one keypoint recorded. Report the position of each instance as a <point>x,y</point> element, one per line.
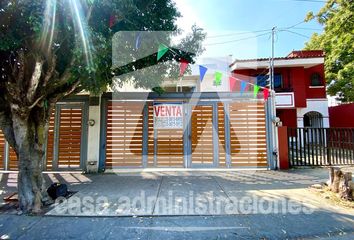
<point>124,134</point>
<point>248,134</point>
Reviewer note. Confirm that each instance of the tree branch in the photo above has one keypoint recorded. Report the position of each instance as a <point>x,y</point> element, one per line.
<point>36,102</point>
<point>51,70</point>
<point>36,75</point>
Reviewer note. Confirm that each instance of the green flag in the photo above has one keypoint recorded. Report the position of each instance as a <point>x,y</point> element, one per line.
<point>162,50</point>
<point>255,90</point>
<point>218,76</point>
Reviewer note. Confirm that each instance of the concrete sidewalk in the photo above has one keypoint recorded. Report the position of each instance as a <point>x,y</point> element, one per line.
<point>259,197</point>
<point>188,193</point>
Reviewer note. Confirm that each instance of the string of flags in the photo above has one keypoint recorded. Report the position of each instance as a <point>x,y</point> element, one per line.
<point>162,50</point>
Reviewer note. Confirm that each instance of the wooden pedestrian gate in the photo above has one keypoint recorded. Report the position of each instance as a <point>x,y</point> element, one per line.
<point>8,158</point>
<point>202,135</point>
<point>217,134</point>
<point>67,140</point>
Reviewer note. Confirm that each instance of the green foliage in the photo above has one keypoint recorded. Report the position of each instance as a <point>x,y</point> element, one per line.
<point>159,90</point>
<point>141,65</point>
<point>24,26</point>
<point>337,40</point>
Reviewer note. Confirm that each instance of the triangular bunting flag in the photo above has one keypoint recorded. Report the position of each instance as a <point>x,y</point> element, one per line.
<point>255,90</point>
<point>243,87</point>
<point>183,66</point>
<point>202,71</point>
<point>161,51</point>
<point>218,76</point>
<point>112,21</point>
<point>232,82</point>
<point>265,93</point>
<point>137,41</point>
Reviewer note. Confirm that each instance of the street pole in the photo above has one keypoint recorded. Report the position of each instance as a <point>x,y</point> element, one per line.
<point>272,105</point>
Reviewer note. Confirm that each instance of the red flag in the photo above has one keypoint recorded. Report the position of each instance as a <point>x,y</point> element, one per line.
<point>112,21</point>
<point>232,82</point>
<point>265,93</point>
<point>183,66</point>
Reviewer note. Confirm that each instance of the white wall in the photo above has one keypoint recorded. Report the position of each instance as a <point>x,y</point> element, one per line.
<point>220,64</point>
<point>93,148</point>
<point>208,84</point>
<point>318,105</point>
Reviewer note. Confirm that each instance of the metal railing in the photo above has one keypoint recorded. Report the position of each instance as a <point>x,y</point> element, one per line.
<point>321,146</point>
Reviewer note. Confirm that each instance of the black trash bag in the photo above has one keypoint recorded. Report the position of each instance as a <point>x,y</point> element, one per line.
<point>57,190</point>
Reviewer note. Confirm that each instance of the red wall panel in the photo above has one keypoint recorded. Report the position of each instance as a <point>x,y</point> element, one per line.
<point>315,92</point>
<point>299,85</point>
<point>342,116</point>
<point>288,117</point>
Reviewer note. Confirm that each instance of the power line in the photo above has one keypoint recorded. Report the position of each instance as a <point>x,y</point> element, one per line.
<point>237,40</point>
<point>312,29</point>
<point>239,33</point>
<point>267,31</point>
<point>293,26</point>
<point>262,30</point>
<point>299,34</point>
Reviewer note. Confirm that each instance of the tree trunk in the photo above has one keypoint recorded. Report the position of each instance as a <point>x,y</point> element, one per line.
<point>345,190</point>
<point>30,136</point>
<point>335,176</point>
<point>340,182</point>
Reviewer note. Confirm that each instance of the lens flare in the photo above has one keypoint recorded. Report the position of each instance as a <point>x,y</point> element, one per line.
<point>81,26</point>
<point>47,34</point>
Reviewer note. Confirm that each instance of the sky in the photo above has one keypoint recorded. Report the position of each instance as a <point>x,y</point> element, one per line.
<point>234,27</point>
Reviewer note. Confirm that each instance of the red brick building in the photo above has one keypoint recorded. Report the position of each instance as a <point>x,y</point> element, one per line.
<point>299,84</point>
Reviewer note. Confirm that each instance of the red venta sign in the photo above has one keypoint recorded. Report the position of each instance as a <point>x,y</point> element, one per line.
<point>168,115</point>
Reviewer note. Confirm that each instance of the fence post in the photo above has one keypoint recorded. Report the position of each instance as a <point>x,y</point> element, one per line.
<point>283,147</point>
<point>145,134</point>
<point>328,146</point>
<point>6,156</point>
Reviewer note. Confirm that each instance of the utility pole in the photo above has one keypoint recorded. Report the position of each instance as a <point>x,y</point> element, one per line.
<point>272,62</point>
<point>273,138</point>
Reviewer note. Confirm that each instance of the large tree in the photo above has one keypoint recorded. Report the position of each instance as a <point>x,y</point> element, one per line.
<point>50,49</point>
<point>337,40</point>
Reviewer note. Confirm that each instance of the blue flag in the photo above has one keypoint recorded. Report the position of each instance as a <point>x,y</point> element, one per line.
<point>202,71</point>
<point>243,86</point>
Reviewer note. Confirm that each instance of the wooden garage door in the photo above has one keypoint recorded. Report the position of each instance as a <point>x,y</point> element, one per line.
<point>70,130</point>
<point>248,134</point>
<point>202,135</point>
<point>124,139</point>
<point>13,163</point>
<point>221,135</point>
<point>68,140</point>
<point>2,151</point>
<point>169,145</point>
<point>50,142</point>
